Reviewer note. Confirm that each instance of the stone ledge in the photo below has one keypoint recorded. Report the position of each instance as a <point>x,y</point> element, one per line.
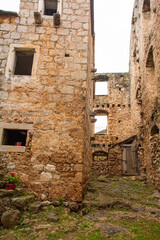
<point>18,126</point>
<point>8,13</point>
<point>7,148</point>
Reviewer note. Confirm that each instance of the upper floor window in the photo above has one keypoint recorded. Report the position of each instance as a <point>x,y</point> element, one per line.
<point>50,7</point>
<point>101,124</point>
<point>101,88</point>
<point>146,6</point>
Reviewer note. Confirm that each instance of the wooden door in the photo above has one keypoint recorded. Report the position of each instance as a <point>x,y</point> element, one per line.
<point>129,159</point>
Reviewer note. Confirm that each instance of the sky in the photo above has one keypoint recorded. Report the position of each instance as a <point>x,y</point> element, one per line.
<point>10,5</point>
<point>112,29</point>
<point>112,38</point>
<point>112,34</point>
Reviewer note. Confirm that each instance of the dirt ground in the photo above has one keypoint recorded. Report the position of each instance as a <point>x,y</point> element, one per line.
<point>119,208</point>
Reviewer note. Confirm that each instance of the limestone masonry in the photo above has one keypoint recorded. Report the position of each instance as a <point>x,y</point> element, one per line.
<point>50,107</point>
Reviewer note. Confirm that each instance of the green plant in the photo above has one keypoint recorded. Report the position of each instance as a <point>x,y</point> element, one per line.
<point>60,201</point>
<point>49,208</point>
<point>154,9</point>
<point>60,210</point>
<point>156,114</point>
<point>11,179</point>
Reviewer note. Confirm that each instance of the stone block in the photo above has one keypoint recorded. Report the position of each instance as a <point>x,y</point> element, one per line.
<point>22,202</point>
<point>15,35</point>
<point>46,177</point>
<point>50,168</point>
<point>10,218</point>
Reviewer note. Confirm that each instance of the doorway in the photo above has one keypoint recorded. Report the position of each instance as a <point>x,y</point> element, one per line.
<point>129,159</point>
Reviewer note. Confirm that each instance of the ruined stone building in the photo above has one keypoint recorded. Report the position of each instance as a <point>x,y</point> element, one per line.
<point>132,145</point>
<point>49,104</point>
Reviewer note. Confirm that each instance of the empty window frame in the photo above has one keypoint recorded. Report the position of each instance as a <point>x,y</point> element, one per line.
<point>101,88</point>
<point>12,137</point>
<point>150,58</point>
<point>101,124</point>
<point>146,6</point>
<point>23,62</point>
<point>50,7</point>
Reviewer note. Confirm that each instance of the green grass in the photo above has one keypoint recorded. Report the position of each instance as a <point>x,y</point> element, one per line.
<point>55,236</point>
<point>142,229</point>
<point>90,236</point>
<point>59,210</point>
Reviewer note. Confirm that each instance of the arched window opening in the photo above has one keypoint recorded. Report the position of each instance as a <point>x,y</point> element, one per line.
<point>150,59</point>
<point>101,123</point>
<point>146,6</point>
<point>101,88</point>
<point>100,156</point>
<point>154,130</point>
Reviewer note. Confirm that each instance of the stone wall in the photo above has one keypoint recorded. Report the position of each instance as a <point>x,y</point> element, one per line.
<point>118,109</point>
<point>115,161</point>
<point>55,99</point>
<point>145,76</point>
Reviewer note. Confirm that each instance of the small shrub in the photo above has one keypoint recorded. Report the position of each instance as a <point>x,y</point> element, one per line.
<point>154,9</point>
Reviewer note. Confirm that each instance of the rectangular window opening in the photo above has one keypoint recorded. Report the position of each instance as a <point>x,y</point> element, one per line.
<point>23,62</point>
<point>14,137</point>
<point>101,88</point>
<point>101,125</point>
<point>50,7</point>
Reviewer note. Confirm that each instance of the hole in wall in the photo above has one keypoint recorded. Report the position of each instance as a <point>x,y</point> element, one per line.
<point>67,55</point>
<point>14,137</point>
<point>154,130</point>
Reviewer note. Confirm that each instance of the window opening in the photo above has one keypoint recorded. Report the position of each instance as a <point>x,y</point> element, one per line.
<point>154,130</point>
<point>50,7</point>
<point>146,6</point>
<point>101,124</point>
<point>101,88</point>
<point>23,62</point>
<point>14,137</point>
<point>100,156</point>
<point>150,60</point>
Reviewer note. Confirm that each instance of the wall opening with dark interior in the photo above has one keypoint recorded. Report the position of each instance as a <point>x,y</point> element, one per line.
<point>14,137</point>
<point>146,6</point>
<point>50,7</point>
<point>154,130</point>
<point>150,60</point>
<point>23,62</point>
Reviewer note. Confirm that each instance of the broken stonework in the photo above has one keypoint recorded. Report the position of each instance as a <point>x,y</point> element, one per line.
<point>22,202</point>
<point>35,207</point>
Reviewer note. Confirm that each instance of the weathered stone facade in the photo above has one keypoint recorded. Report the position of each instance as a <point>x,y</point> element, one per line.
<point>52,103</point>
<point>51,107</point>
<point>145,86</point>
<point>141,119</point>
<point>116,105</point>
